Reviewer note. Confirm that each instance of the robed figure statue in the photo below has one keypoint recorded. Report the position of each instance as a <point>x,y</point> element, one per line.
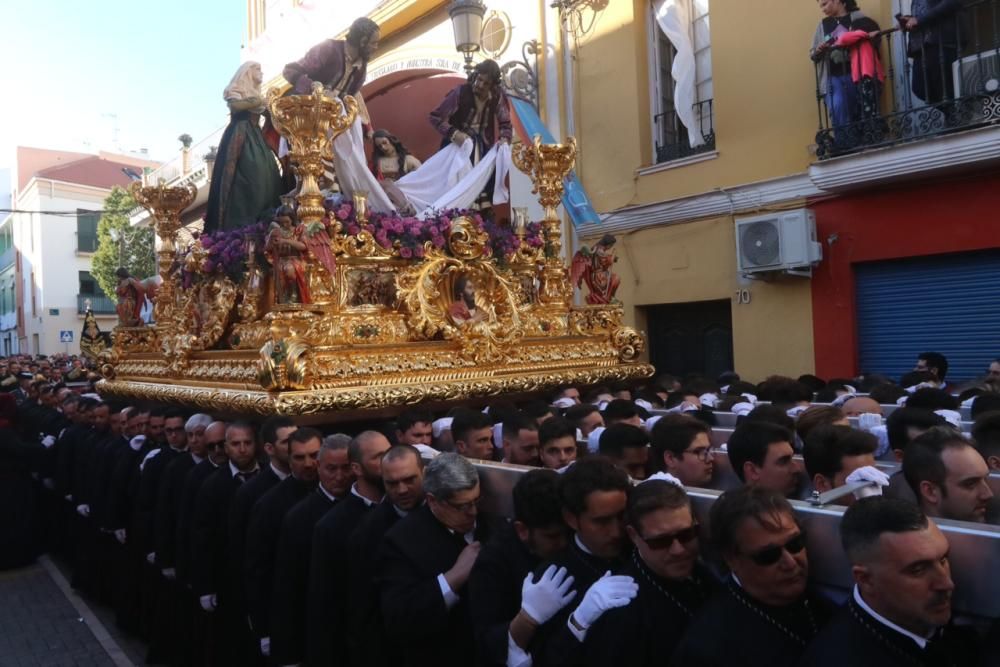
<point>246,183</point>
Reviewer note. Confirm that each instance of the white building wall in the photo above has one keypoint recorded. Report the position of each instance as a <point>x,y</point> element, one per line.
<point>48,245</point>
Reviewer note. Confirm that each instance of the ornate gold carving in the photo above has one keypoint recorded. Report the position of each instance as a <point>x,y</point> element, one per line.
<point>548,165</point>
<point>629,342</point>
<point>593,320</point>
<point>310,123</point>
<point>196,320</point>
<point>283,365</point>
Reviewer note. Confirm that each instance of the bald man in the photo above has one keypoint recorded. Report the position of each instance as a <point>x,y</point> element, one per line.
<point>860,405</point>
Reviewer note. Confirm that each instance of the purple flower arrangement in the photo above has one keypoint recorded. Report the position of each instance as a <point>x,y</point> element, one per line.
<point>409,235</point>
<point>226,252</point>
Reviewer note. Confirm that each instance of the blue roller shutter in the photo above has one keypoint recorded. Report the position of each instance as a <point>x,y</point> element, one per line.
<point>944,303</point>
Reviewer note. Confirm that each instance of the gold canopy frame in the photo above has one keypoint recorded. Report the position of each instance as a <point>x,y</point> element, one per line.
<point>382,331</point>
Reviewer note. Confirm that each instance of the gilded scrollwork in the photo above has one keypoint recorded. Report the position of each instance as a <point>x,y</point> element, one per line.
<point>594,320</point>
<point>629,343</point>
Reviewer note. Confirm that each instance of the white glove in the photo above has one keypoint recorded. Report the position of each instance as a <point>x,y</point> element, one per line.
<point>208,602</point>
<point>151,558</point>
<point>169,573</point>
<point>48,441</point>
<point>543,599</point>
<point>120,535</point>
<point>137,442</point>
<point>952,417</point>
<point>751,398</point>
<point>868,421</point>
<point>796,411</point>
<point>868,474</point>
<point>882,433</point>
<point>742,409</point>
<point>608,592</point>
<point>901,401</point>
<point>967,403</point>
<point>83,510</point>
<point>564,402</point>
<point>265,646</point>
<point>643,403</point>
<point>665,476</point>
<point>711,400</point>
<point>724,447</point>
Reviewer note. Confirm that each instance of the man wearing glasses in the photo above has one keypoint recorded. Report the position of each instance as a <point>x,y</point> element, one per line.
<point>424,564</point>
<point>682,447</point>
<point>763,616</point>
<point>673,584</point>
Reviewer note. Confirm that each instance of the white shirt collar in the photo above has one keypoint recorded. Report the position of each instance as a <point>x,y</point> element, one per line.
<point>235,471</point>
<point>197,459</point>
<point>921,641</point>
<point>583,548</point>
<point>326,493</point>
<point>469,537</point>
<point>399,512</point>
<point>354,492</point>
<point>281,475</point>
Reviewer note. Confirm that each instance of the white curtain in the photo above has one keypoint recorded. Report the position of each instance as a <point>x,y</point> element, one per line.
<point>447,180</point>
<point>674,19</point>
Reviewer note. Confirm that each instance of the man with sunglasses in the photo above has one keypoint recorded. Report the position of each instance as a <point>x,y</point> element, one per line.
<point>424,565</point>
<point>682,447</point>
<point>900,610</point>
<point>673,584</point>
<point>763,616</point>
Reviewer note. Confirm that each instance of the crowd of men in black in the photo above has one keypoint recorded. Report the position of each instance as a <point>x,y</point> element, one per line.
<point>232,544</point>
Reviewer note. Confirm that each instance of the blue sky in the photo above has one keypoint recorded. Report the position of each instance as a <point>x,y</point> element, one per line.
<point>159,66</point>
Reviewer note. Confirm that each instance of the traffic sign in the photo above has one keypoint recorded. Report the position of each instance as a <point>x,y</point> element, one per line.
<point>65,336</point>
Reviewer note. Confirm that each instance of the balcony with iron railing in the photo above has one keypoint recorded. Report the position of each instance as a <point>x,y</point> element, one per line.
<point>673,139</point>
<point>936,79</point>
<point>99,304</point>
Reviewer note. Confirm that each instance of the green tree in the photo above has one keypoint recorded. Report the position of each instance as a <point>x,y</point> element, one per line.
<point>133,249</point>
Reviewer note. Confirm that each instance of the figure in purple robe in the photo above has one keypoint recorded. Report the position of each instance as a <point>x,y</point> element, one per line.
<point>476,110</point>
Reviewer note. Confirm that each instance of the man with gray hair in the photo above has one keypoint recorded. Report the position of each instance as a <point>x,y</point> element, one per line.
<point>326,599</point>
<point>288,598</point>
<point>424,564</point>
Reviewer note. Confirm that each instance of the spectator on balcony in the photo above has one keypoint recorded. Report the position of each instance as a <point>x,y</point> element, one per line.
<point>845,50</point>
<point>935,38</point>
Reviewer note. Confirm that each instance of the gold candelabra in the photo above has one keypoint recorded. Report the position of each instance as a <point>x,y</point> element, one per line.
<point>165,205</point>
<point>548,165</point>
<point>310,123</point>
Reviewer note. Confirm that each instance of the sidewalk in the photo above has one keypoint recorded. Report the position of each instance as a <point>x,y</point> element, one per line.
<point>44,624</point>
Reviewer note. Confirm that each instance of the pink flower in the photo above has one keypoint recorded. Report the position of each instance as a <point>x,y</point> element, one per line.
<point>353,229</point>
<point>405,253</point>
<point>418,251</point>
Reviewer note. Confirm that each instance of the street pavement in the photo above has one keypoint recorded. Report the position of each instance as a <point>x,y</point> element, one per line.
<point>44,624</point>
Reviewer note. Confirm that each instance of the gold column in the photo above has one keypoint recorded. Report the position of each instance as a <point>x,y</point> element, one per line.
<point>165,205</point>
<point>548,165</point>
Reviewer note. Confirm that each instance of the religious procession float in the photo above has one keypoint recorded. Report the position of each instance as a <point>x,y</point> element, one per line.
<point>359,300</point>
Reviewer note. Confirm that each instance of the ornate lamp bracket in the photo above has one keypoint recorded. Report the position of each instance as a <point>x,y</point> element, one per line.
<point>520,77</point>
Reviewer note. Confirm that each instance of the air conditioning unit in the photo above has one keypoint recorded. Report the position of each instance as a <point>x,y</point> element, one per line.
<point>777,243</point>
<point>978,74</point>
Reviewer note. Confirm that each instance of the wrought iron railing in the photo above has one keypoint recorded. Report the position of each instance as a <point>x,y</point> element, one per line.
<point>99,305</point>
<point>672,140</point>
<point>938,78</point>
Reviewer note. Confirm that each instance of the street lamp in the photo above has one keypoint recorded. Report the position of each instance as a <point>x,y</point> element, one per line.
<point>209,158</point>
<point>467,22</point>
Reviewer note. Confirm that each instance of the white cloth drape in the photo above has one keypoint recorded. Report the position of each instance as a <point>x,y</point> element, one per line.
<point>674,19</point>
<point>353,173</point>
<point>447,180</point>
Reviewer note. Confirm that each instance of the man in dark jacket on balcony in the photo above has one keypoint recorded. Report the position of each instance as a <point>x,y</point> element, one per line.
<point>936,36</point>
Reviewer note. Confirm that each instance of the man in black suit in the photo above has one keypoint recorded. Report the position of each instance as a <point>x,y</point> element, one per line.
<point>403,477</point>
<point>275,432</point>
<point>326,601</point>
<point>763,616</point>
<point>265,524</point>
<point>503,569</point>
<point>900,610</point>
<point>594,495</point>
<point>424,564</point>
<point>673,584</point>
<point>197,621</point>
<point>294,551</point>
<point>173,628</point>
<point>211,557</point>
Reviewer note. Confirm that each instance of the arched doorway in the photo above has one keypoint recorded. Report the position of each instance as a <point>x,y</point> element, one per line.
<point>402,101</point>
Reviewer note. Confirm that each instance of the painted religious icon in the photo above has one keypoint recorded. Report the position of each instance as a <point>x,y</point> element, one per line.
<point>287,250</point>
<point>463,308</point>
<point>593,266</point>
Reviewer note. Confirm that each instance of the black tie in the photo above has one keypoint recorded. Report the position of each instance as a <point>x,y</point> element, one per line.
<point>245,476</point>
